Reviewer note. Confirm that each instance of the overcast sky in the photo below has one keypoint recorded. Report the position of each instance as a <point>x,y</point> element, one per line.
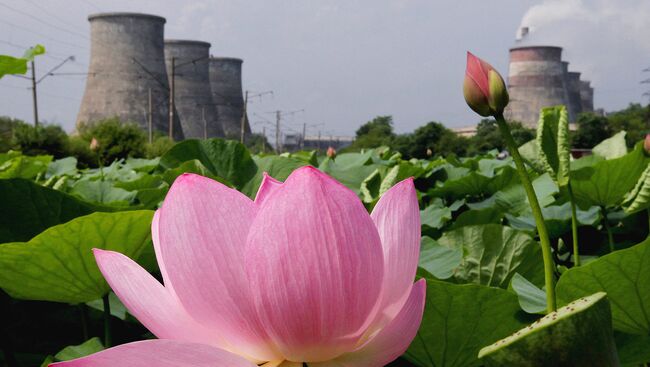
<point>345,62</point>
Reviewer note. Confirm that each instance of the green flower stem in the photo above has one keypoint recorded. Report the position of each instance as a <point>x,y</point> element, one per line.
<point>549,266</point>
<point>84,320</point>
<point>107,322</point>
<point>610,236</point>
<point>574,227</point>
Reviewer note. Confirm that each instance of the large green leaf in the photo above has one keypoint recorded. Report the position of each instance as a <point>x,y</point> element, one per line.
<point>492,254</point>
<point>461,319</point>
<point>553,142</point>
<point>58,265</point>
<point>350,169</point>
<point>88,347</point>
<point>102,192</point>
<point>607,181</point>
<point>15,165</point>
<point>611,148</point>
<point>625,276</point>
<point>531,298</point>
<point>437,260</point>
<point>27,209</point>
<point>223,158</point>
<point>278,167</point>
<point>557,219</point>
<point>62,167</point>
<point>477,184</point>
<point>639,198</point>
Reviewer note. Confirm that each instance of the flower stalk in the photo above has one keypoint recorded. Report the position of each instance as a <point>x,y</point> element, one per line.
<point>574,226</point>
<point>549,266</point>
<point>108,333</point>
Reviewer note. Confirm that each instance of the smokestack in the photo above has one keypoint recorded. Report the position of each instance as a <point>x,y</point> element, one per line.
<point>192,95</point>
<point>227,94</point>
<point>536,79</point>
<point>126,61</point>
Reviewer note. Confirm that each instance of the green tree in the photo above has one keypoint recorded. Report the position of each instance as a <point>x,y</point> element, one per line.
<point>7,125</point>
<point>374,133</point>
<point>116,139</point>
<point>635,119</point>
<point>41,139</point>
<point>257,143</point>
<point>591,130</point>
<point>488,137</point>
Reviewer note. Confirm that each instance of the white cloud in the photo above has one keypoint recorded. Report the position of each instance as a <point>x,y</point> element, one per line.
<point>604,39</point>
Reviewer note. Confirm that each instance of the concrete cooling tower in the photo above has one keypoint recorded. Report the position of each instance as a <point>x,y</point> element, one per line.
<point>586,96</point>
<point>187,63</point>
<point>573,87</point>
<point>226,84</point>
<point>126,62</point>
<point>536,79</point>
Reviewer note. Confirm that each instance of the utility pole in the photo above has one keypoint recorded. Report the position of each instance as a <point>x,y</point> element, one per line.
<point>150,118</point>
<point>318,141</point>
<point>205,123</point>
<point>34,94</point>
<point>245,111</point>
<point>243,119</point>
<point>302,139</point>
<point>264,141</point>
<point>277,132</point>
<point>35,82</point>
<point>172,89</point>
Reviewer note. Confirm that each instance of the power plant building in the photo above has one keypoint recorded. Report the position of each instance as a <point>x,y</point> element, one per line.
<point>189,72</point>
<point>127,66</point>
<point>227,94</point>
<point>537,78</point>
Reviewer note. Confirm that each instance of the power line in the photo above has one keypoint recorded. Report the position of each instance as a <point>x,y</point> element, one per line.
<point>25,29</point>
<point>42,21</point>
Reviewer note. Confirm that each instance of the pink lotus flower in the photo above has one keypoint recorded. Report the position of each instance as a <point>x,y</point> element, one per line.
<point>301,274</point>
<point>483,87</point>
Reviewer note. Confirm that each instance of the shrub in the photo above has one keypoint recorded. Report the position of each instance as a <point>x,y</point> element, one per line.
<point>116,139</point>
<point>42,139</point>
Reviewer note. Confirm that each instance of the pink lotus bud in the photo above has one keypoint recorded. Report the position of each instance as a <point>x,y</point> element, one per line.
<point>272,279</point>
<point>484,89</point>
<point>331,152</point>
<point>646,143</point>
<point>94,145</point>
<point>429,152</point>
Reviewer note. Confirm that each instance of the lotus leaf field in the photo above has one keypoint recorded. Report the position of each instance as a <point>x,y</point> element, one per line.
<point>480,252</point>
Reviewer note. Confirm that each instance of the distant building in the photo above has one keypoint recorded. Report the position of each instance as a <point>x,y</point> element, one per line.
<point>467,131</point>
<point>294,142</point>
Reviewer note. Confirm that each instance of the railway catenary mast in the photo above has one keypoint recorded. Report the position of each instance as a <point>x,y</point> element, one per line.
<point>126,62</point>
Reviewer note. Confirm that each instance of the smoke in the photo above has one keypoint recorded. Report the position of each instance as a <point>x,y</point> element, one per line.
<point>606,40</point>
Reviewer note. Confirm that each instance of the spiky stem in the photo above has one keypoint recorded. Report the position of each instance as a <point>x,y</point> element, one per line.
<point>574,226</point>
<point>549,265</point>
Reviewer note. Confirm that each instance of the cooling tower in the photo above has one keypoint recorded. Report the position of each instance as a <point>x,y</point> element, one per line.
<point>126,61</point>
<point>573,86</point>
<point>192,93</point>
<point>586,96</point>
<point>535,80</point>
<point>573,115</point>
<point>226,84</point>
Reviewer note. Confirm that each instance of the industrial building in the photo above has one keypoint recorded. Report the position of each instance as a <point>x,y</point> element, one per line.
<point>538,77</point>
<point>136,75</point>
<point>127,78</point>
